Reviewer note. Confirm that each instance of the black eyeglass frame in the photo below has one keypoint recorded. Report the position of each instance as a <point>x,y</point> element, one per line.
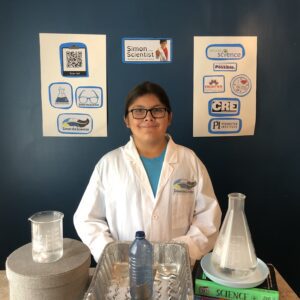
<point>151,111</point>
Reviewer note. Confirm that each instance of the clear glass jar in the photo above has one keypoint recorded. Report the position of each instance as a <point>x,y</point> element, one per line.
<point>234,254</point>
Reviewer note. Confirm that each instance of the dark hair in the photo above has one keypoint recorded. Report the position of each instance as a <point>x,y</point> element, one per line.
<point>162,41</point>
<point>144,89</point>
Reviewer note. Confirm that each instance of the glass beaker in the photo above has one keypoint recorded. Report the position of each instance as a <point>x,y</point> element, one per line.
<point>47,236</point>
<point>234,254</point>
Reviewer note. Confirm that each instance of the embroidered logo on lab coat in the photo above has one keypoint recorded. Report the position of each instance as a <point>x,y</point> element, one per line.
<point>184,186</point>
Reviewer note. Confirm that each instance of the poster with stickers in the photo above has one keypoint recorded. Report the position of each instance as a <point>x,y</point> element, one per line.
<point>73,85</point>
<point>224,86</point>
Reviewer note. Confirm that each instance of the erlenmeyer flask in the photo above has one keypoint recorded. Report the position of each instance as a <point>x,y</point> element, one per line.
<point>61,97</point>
<point>234,255</point>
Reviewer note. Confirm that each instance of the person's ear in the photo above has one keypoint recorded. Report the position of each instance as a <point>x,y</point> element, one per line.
<point>126,122</point>
<point>170,117</point>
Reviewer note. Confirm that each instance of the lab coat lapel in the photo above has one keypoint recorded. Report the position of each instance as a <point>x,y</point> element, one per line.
<point>138,167</point>
<point>168,167</point>
<point>142,176</point>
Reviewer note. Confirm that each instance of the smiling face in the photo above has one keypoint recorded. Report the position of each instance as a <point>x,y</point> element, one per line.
<point>163,44</point>
<point>149,130</point>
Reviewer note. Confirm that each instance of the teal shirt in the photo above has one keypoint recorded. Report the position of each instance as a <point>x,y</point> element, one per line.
<point>153,169</point>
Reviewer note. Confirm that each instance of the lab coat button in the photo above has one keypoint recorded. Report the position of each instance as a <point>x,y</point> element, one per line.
<point>155,217</point>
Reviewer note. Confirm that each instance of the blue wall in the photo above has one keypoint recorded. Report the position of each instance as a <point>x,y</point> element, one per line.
<point>40,173</point>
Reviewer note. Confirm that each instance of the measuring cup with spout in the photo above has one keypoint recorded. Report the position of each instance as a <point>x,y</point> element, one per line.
<point>47,236</point>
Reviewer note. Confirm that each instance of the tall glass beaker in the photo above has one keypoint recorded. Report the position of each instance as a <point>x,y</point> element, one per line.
<point>234,254</point>
<point>47,236</point>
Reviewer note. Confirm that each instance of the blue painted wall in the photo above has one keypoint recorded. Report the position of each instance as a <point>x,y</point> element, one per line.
<point>40,173</point>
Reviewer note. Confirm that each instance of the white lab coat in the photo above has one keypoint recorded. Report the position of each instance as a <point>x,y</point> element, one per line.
<point>119,201</point>
<point>161,56</point>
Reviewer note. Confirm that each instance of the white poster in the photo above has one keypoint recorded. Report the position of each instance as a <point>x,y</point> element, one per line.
<point>73,84</point>
<point>224,86</point>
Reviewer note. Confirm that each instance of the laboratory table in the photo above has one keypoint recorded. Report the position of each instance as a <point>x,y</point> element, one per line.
<point>285,290</point>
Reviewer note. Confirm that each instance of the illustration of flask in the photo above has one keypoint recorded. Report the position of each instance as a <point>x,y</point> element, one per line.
<point>234,255</point>
<point>61,97</point>
<point>141,268</point>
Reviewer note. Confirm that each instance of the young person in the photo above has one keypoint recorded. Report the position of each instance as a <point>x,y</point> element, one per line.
<point>162,53</point>
<point>150,184</point>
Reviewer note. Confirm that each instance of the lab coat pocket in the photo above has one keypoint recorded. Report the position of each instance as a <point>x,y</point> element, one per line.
<point>182,213</point>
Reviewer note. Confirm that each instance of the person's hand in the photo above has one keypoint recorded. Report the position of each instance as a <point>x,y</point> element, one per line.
<point>157,53</point>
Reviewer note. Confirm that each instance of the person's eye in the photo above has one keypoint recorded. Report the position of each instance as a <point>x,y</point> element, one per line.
<point>158,110</point>
<point>139,110</point>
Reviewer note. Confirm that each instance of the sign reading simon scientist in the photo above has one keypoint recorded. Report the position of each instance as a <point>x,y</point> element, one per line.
<point>147,50</point>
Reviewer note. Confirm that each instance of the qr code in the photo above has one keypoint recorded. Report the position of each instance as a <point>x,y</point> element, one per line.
<point>74,59</point>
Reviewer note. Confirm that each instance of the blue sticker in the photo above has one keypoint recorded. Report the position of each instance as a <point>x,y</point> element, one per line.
<point>224,125</point>
<point>224,107</point>
<point>60,95</point>
<point>73,123</point>
<point>225,51</point>
<point>89,97</point>
<point>74,60</point>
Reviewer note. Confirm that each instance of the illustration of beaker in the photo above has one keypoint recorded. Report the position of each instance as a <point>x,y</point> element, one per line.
<point>234,254</point>
<point>61,97</point>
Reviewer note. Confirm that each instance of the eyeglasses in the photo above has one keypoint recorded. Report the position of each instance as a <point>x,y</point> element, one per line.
<point>156,112</point>
<point>84,97</point>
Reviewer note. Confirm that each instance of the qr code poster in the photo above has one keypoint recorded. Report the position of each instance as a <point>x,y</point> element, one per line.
<point>73,85</point>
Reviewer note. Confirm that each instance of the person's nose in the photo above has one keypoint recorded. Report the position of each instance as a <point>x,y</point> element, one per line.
<point>148,116</point>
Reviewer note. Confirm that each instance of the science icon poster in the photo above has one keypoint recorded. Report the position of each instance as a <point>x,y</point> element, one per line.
<point>73,85</point>
<point>224,86</point>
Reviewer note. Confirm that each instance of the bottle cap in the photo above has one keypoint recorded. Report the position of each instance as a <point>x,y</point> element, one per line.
<point>140,234</point>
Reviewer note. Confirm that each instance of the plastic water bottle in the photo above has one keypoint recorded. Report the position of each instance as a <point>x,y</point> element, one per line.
<point>141,268</point>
